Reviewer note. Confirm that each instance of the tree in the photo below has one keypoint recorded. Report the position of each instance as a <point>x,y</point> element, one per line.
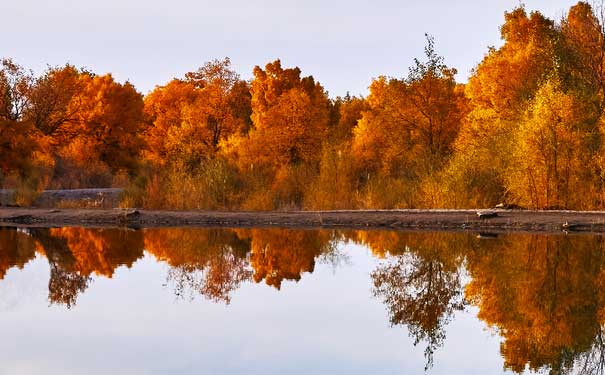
<point>584,36</point>
<point>55,103</point>
<point>348,110</point>
<point>191,118</point>
<point>16,84</point>
<point>223,98</point>
<point>436,104</point>
<point>555,142</point>
<point>17,135</point>
<point>411,123</point>
<point>510,75</point>
<point>163,108</point>
<point>108,120</point>
<point>498,91</point>
<point>289,116</point>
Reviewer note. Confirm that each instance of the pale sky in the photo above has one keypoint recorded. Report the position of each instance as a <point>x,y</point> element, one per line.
<point>343,44</point>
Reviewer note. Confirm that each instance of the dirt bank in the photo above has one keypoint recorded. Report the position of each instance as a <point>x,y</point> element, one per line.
<point>91,198</point>
<point>452,220</point>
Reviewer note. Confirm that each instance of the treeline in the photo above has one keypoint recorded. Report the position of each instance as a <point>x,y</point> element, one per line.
<point>527,129</point>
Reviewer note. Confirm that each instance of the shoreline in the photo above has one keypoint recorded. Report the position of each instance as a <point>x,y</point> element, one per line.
<point>401,220</point>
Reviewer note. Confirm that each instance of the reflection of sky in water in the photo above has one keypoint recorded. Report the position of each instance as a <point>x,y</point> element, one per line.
<point>328,322</point>
<point>25,286</point>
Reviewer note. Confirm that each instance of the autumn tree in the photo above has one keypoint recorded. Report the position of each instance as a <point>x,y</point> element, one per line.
<point>555,145</point>
<point>89,126</point>
<point>347,111</point>
<point>54,103</point>
<point>53,111</point>
<point>499,90</point>
<point>190,118</point>
<point>289,116</point>
<point>110,122</point>
<point>411,120</point>
<point>511,74</point>
<point>583,32</point>
<point>408,130</point>
<point>336,184</point>
<point>584,37</point>
<point>164,107</point>
<point>532,134</point>
<point>17,134</point>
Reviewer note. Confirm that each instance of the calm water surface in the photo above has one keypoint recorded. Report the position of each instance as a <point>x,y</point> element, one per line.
<point>274,301</point>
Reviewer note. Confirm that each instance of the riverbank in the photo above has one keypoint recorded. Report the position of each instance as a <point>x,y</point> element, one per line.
<point>450,220</point>
<point>66,198</point>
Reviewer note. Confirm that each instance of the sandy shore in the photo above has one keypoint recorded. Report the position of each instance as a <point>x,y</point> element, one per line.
<point>451,220</point>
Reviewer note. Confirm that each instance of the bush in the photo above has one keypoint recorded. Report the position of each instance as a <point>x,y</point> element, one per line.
<point>214,185</point>
<point>28,190</point>
<point>335,187</point>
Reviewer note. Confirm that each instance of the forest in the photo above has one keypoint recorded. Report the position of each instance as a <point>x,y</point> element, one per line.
<point>527,129</point>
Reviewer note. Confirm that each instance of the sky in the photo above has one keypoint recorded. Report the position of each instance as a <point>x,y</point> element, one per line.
<point>342,43</point>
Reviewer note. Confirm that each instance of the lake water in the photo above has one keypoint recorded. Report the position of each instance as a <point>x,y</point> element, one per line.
<point>275,301</point>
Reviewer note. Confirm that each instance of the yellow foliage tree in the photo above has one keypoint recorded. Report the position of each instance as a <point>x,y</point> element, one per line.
<point>555,142</point>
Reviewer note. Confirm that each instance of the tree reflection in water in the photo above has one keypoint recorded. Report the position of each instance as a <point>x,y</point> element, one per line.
<point>420,294</point>
<point>542,294</point>
<point>420,282</point>
<point>74,254</point>
<point>17,248</point>
<point>211,262</point>
<point>282,254</point>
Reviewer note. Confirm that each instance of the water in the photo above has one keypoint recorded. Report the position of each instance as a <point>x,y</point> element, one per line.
<point>274,301</point>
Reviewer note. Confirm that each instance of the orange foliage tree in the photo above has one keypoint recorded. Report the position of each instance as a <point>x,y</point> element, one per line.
<point>190,118</point>
<point>290,116</point>
<point>412,120</point>
<point>17,136</point>
<point>109,122</point>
